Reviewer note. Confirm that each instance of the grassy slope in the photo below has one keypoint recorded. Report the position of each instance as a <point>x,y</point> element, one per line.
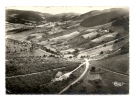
<point>109,78</point>
<point>29,65</point>
<point>118,63</point>
<point>103,18</point>
<point>24,16</point>
<point>86,15</point>
<point>86,86</point>
<point>30,83</point>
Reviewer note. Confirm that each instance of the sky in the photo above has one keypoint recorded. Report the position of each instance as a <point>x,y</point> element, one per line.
<point>57,10</point>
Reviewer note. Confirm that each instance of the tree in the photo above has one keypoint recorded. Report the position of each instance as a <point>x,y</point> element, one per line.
<point>69,52</point>
<point>116,41</point>
<point>92,68</point>
<point>44,55</point>
<point>83,89</point>
<point>70,57</point>
<point>98,35</point>
<point>101,52</point>
<point>76,52</point>
<point>104,45</point>
<point>81,56</point>
<point>99,85</point>
<point>111,31</point>
<point>117,36</point>
<point>51,55</point>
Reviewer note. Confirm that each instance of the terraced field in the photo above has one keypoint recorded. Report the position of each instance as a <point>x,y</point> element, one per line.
<point>40,52</point>
<point>90,35</point>
<point>97,51</point>
<point>68,36</point>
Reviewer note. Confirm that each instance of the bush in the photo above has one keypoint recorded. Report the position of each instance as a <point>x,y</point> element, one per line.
<point>101,52</point>
<point>92,68</point>
<point>70,57</point>
<point>104,45</point>
<point>125,48</point>
<point>111,31</point>
<point>118,36</point>
<point>83,89</point>
<point>51,55</point>
<point>76,52</point>
<point>99,85</point>
<point>122,22</point>
<point>30,37</point>
<point>98,35</point>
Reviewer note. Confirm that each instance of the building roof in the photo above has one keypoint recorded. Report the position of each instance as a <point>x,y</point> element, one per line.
<point>59,74</point>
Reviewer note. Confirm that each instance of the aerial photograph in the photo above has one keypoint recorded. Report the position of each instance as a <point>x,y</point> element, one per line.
<point>66,50</point>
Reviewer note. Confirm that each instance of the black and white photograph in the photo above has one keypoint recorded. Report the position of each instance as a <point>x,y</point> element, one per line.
<point>66,50</point>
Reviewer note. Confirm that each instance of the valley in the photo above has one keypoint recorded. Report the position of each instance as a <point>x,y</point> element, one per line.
<point>67,53</point>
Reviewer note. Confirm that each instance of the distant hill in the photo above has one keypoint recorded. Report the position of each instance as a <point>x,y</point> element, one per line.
<point>104,17</point>
<point>62,17</point>
<point>122,22</point>
<point>86,15</point>
<point>21,16</point>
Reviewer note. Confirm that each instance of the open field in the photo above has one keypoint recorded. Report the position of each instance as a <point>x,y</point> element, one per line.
<point>68,36</point>
<point>101,81</point>
<point>121,63</point>
<point>96,51</point>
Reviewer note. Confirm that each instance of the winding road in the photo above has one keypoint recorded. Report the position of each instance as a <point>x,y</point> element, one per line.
<point>69,73</point>
<point>86,69</point>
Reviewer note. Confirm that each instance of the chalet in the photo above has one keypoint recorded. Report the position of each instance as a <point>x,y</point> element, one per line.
<point>58,74</point>
<point>68,56</point>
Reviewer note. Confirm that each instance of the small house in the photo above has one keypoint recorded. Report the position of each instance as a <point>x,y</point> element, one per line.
<point>58,74</point>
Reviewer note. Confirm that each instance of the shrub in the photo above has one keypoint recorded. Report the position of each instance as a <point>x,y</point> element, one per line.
<point>98,35</point>
<point>51,55</point>
<point>104,45</point>
<point>76,52</point>
<point>70,57</point>
<point>99,85</point>
<point>101,52</point>
<point>30,37</point>
<point>83,89</point>
<point>92,68</point>
<point>111,31</point>
<point>118,36</point>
